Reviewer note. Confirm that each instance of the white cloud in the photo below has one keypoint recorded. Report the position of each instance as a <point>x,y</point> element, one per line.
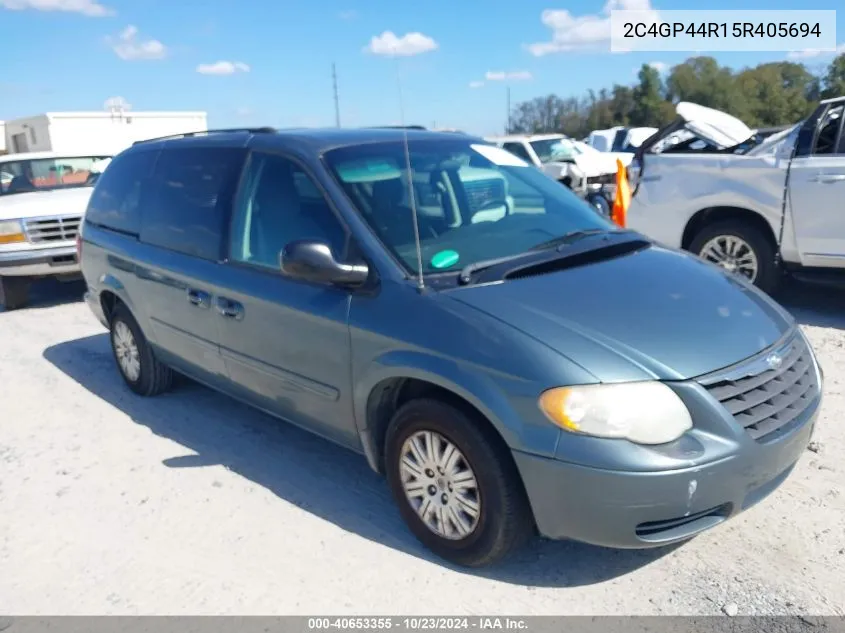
<point>521,75</point>
<point>91,8</point>
<point>222,68</point>
<point>660,67</point>
<point>348,15</point>
<point>476,84</point>
<point>129,46</point>
<point>409,44</point>
<point>592,31</point>
<point>813,52</point>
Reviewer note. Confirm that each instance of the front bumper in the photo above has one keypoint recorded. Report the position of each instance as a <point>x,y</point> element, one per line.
<point>39,262</point>
<point>634,510</point>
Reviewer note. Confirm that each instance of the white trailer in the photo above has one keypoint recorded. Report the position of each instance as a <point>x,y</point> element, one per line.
<point>105,131</point>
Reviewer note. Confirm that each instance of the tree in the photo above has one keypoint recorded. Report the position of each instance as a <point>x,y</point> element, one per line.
<point>777,93</point>
<point>649,102</point>
<point>771,94</point>
<point>622,104</point>
<point>833,83</point>
<point>701,80</point>
<point>541,114</point>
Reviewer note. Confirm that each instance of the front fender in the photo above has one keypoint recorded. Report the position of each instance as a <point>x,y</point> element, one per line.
<point>509,403</point>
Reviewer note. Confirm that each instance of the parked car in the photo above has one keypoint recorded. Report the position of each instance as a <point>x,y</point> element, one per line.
<point>509,359</point>
<point>588,172</point>
<point>761,208</point>
<point>42,199</point>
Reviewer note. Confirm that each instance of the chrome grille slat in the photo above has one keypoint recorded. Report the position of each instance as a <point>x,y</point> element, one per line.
<point>763,401</point>
<point>734,389</point>
<point>61,229</point>
<point>753,397</point>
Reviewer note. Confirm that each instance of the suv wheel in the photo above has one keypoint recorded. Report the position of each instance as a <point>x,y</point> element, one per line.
<point>740,248</point>
<point>458,491</point>
<point>140,369</point>
<point>14,292</point>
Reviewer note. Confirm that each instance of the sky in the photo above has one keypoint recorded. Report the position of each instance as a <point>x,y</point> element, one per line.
<point>443,63</point>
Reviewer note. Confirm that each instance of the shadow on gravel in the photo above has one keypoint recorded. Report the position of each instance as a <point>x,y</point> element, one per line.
<point>47,293</point>
<point>814,305</point>
<point>329,481</point>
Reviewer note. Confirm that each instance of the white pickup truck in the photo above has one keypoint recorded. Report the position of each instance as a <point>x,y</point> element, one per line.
<point>761,209</point>
<point>43,197</point>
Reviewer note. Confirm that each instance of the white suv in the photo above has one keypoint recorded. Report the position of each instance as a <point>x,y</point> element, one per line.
<point>42,200</point>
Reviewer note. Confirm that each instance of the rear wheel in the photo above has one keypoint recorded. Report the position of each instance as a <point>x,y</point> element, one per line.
<point>740,248</point>
<point>140,369</point>
<point>14,292</point>
<point>456,488</point>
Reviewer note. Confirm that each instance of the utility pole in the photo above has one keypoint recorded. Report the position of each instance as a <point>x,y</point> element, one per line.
<point>508,119</point>
<point>336,102</point>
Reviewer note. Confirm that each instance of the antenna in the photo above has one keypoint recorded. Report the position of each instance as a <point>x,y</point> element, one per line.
<point>336,102</point>
<point>411,196</point>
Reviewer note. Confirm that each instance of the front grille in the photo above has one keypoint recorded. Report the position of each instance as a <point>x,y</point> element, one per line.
<point>484,192</point>
<point>766,396</point>
<point>604,179</point>
<point>53,229</point>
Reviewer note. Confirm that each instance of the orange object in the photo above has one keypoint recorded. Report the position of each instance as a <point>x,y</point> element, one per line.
<point>622,201</point>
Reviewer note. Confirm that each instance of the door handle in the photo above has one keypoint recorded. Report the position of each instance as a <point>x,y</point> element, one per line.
<point>230,309</point>
<point>199,298</point>
<point>829,178</point>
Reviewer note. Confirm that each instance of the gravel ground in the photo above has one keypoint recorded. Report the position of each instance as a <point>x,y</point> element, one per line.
<point>194,504</point>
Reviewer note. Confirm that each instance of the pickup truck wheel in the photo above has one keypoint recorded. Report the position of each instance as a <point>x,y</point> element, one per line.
<point>138,366</point>
<point>14,292</point>
<point>740,248</point>
<point>457,489</point>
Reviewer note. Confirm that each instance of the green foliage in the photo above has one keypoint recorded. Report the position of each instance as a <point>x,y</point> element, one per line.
<point>768,95</point>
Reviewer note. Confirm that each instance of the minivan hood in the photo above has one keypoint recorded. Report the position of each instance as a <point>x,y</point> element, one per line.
<point>715,126</point>
<point>45,203</point>
<point>653,314</point>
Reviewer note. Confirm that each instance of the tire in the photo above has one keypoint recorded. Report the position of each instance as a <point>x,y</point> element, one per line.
<point>768,276</point>
<point>504,519</point>
<point>152,377</point>
<point>14,292</point>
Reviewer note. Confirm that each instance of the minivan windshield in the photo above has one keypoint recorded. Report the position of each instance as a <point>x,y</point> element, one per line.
<point>475,202</point>
<point>40,174</point>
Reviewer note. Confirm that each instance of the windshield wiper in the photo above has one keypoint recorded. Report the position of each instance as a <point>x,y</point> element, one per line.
<point>568,238</point>
<point>465,276</point>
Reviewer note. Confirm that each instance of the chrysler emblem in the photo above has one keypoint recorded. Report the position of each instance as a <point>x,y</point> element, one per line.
<point>774,361</point>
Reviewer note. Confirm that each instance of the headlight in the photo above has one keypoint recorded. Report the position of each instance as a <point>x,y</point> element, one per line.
<point>11,232</point>
<point>642,412</point>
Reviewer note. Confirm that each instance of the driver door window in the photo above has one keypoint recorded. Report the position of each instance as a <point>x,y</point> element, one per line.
<point>280,204</point>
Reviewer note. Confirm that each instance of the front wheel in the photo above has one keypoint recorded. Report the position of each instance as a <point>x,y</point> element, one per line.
<point>457,489</point>
<point>740,248</point>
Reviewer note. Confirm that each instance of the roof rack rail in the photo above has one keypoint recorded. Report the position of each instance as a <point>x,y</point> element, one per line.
<point>234,130</point>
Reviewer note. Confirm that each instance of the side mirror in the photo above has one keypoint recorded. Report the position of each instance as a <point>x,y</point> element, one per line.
<point>313,261</point>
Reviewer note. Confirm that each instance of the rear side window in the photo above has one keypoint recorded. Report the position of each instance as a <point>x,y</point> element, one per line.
<point>194,188</point>
<point>116,201</point>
